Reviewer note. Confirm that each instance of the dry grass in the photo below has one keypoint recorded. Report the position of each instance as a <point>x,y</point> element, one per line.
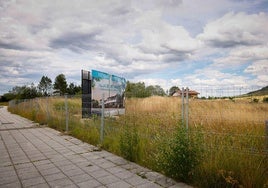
<point>234,135</point>
<point>225,115</point>
<point>3,103</point>
<point>153,104</point>
<point>213,115</point>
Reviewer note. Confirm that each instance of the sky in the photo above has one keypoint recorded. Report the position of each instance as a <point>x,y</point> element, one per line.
<point>192,43</point>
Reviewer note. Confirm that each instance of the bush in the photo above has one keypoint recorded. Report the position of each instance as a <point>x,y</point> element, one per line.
<point>265,99</point>
<point>181,154</point>
<point>255,100</point>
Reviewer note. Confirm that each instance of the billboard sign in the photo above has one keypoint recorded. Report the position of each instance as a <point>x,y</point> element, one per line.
<point>111,86</point>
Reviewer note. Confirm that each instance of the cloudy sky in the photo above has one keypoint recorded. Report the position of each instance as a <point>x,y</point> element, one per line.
<point>165,42</point>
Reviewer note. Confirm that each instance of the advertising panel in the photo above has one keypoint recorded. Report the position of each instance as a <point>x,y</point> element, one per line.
<point>111,86</point>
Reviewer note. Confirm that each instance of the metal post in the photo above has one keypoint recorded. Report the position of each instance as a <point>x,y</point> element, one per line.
<point>187,107</point>
<point>266,136</point>
<point>35,103</point>
<point>66,114</point>
<point>47,109</point>
<point>102,119</point>
<point>182,105</point>
<point>110,77</point>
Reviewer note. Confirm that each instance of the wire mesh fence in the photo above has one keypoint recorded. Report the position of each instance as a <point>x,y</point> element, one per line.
<point>233,127</point>
<point>216,91</point>
<point>218,115</point>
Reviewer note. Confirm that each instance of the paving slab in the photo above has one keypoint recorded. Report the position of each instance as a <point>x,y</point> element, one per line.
<point>34,156</point>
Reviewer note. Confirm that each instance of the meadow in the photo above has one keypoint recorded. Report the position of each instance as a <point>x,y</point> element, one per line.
<point>224,146</point>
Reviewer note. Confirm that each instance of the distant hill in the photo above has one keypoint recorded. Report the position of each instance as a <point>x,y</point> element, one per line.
<point>262,91</point>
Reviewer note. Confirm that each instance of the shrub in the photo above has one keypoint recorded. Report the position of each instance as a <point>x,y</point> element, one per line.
<point>265,99</point>
<point>255,100</point>
<point>181,154</point>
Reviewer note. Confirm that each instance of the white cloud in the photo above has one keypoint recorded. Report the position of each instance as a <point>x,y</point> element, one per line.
<point>243,55</point>
<point>238,29</point>
<point>214,79</point>
<point>160,37</point>
<point>242,40</point>
<point>258,67</point>
<point>260,70</point>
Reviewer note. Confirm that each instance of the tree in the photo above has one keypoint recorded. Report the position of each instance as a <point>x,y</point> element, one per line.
<point>45,85</point>
<point>140,91</point>
<point>23,92</point>
<point>173,90</point>
<point>136,90</point>
<point>60,84</point>
<point>17,90</point>
<point>29,92</point>
<point>155,90</point>
<point>8,97</point>
<point>73,89</point>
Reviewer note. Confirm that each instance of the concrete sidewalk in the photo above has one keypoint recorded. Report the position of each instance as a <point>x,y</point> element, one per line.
<point>32,156</point>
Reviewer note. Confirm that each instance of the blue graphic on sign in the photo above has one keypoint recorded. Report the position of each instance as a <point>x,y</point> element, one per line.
<point>113,88</point>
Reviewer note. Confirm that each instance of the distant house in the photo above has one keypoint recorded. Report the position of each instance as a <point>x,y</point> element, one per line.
<point>191,93</point>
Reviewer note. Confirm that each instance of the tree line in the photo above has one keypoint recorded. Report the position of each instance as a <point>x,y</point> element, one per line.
<point>60,86</point>
<point>139,90</point>
<point>45,87</point>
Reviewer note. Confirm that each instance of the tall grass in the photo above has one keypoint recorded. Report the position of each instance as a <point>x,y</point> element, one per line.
<point>223,147</point>
<point>3,103</point>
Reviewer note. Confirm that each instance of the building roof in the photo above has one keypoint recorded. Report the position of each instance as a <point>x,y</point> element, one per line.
<point>190,92</point>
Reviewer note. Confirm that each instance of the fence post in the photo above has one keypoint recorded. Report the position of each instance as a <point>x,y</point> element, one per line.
<point>182,105</point>
<point>266,136</point>
<point>47,110</point>
<point>34,103</point>
<point>102,120</point>
<point>187,107</point>
<point>66,114</point>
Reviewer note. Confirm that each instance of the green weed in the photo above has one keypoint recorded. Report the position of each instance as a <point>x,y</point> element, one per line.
<point>180,154</point>
<point>129,143</point>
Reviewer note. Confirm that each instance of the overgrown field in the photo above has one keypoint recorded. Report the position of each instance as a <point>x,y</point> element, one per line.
<point>225,145</point>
